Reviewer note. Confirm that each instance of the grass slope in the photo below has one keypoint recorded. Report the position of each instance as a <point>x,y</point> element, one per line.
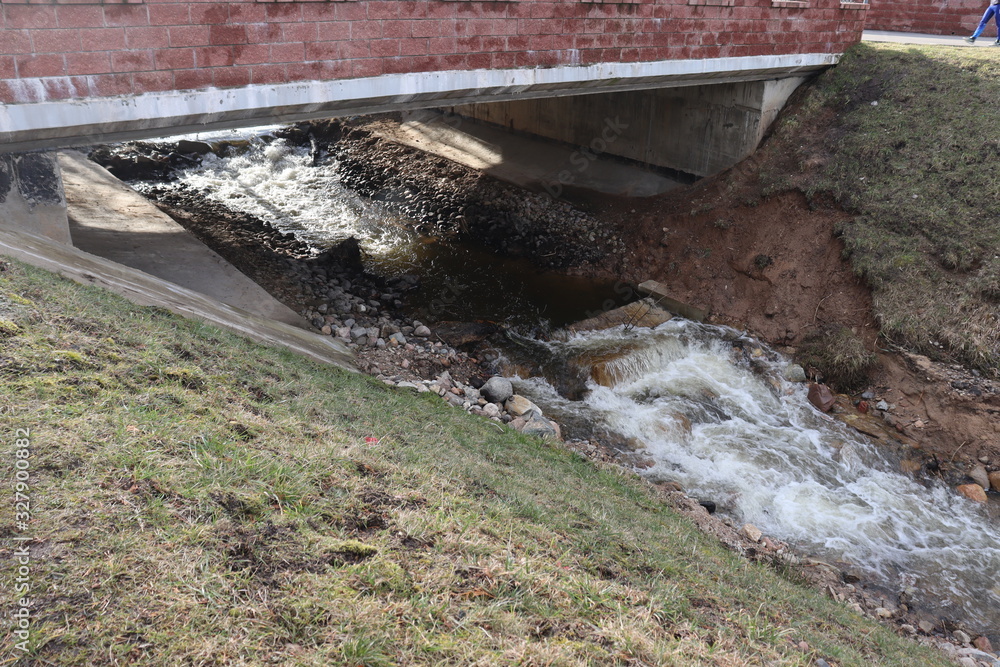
<point>199,499</point>
<point>909,141</point>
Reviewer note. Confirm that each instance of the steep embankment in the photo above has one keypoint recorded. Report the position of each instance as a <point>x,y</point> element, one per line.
<point>885,161</point>
<point>193,498</point>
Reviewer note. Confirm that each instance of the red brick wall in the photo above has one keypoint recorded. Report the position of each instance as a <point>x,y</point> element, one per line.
<point>67,49</point>
<point>942,17</point>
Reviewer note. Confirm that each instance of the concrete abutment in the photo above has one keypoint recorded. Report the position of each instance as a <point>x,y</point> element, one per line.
<point>693,130</point>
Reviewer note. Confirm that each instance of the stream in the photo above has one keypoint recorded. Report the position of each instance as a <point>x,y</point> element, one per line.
<point>724,424</point>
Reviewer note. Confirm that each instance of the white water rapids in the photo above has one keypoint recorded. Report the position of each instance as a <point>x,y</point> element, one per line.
<point>753,443</point>
<point>745,438</point>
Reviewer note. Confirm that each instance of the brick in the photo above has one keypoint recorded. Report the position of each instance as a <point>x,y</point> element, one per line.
<point>166,59</point>
<point>320,70</point>
<point>351,11</point>
<point>103,39</point>
<point>15,42</point>
<point>284,12</point>
<point>353,50</point>
<point>125,15</point>
<point>219,35</point>
<point>31,66</point>
<point>382,10</point>
<point>209,14</point>
<point>265,33</point>
<point>248,12</point>
<point>366,30</point>
<point>109,85</point>
<point>288,53</point>
<point>192,79</point>
<point>94,62</point>
<point>132,61</point>
<point>152,82</point>
<point>333,30</point>
<point>264,74</point>
<point>396,29</point>
<point>79,16</point>
<point>147,38</point>
<point>251,54</point>
<point>413,9</point>
<point>8,68</point>
<point>169,14</point>
<point>323,51</point>
<point>442,45</point>
<point>231,77</point>
<point>214,56</point>
<point>191,35</point>
<point>366,68</point>
<point>35,17</point>
<point>433,28</point>
<point>385,48</point>
<point>412,47</point>
<point>298,32</point>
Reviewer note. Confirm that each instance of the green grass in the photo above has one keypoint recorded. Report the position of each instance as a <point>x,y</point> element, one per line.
<point>906,138</point>
<point>200,499</point>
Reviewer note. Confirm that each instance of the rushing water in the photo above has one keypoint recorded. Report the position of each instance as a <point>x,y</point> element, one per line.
<point>723,428</point>
<point>751,441</point>
<point>284,186</point>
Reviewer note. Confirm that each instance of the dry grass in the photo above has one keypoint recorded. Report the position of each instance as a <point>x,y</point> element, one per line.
<point>198,499</point>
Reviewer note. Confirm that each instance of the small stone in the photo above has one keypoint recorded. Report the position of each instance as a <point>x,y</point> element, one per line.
<point>919,423</point>
<point>882,612</point>
<point>868,395</point>
<point>497,389</point>
<point>973,492</point>
<point>985,460</point>
<point>962,637</point>
<point>926,627</point>
<point>908,629</point>
<point>422,332</point>
<point>882,405</point>
<point>803,646</point>
<point>968,662</point>
<point>326,330</point>
<point>751,532</point>
<point>491,410</point>
<point>983,644</point>
<point>408,385</point>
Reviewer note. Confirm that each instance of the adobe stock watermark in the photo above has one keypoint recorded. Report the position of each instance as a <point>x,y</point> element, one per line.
<point>21,617</point>
<point>581,160</point>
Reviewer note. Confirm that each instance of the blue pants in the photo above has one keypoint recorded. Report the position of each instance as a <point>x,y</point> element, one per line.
<point>992,12</point>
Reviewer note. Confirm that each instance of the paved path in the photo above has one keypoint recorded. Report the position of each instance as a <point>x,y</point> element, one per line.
<point>918,38</point>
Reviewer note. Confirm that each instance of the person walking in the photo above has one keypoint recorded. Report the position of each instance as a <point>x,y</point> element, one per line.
<point>992,12</point>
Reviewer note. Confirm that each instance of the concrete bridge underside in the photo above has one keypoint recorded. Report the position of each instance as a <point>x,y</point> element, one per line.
<point>87,121</point>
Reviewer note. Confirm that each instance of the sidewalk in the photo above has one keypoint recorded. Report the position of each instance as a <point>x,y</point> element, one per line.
<point>918,38</point>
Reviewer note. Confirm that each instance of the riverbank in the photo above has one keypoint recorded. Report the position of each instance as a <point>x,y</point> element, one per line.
<point>212,500</point>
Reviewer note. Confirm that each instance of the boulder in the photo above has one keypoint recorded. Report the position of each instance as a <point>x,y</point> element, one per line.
<point>497,389</point>
<point>973,492</point>
<point>541,427</point>
<point>794,373</point>
<point>980,476</point>
<point>519,406</point>
<point>821,397</point>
